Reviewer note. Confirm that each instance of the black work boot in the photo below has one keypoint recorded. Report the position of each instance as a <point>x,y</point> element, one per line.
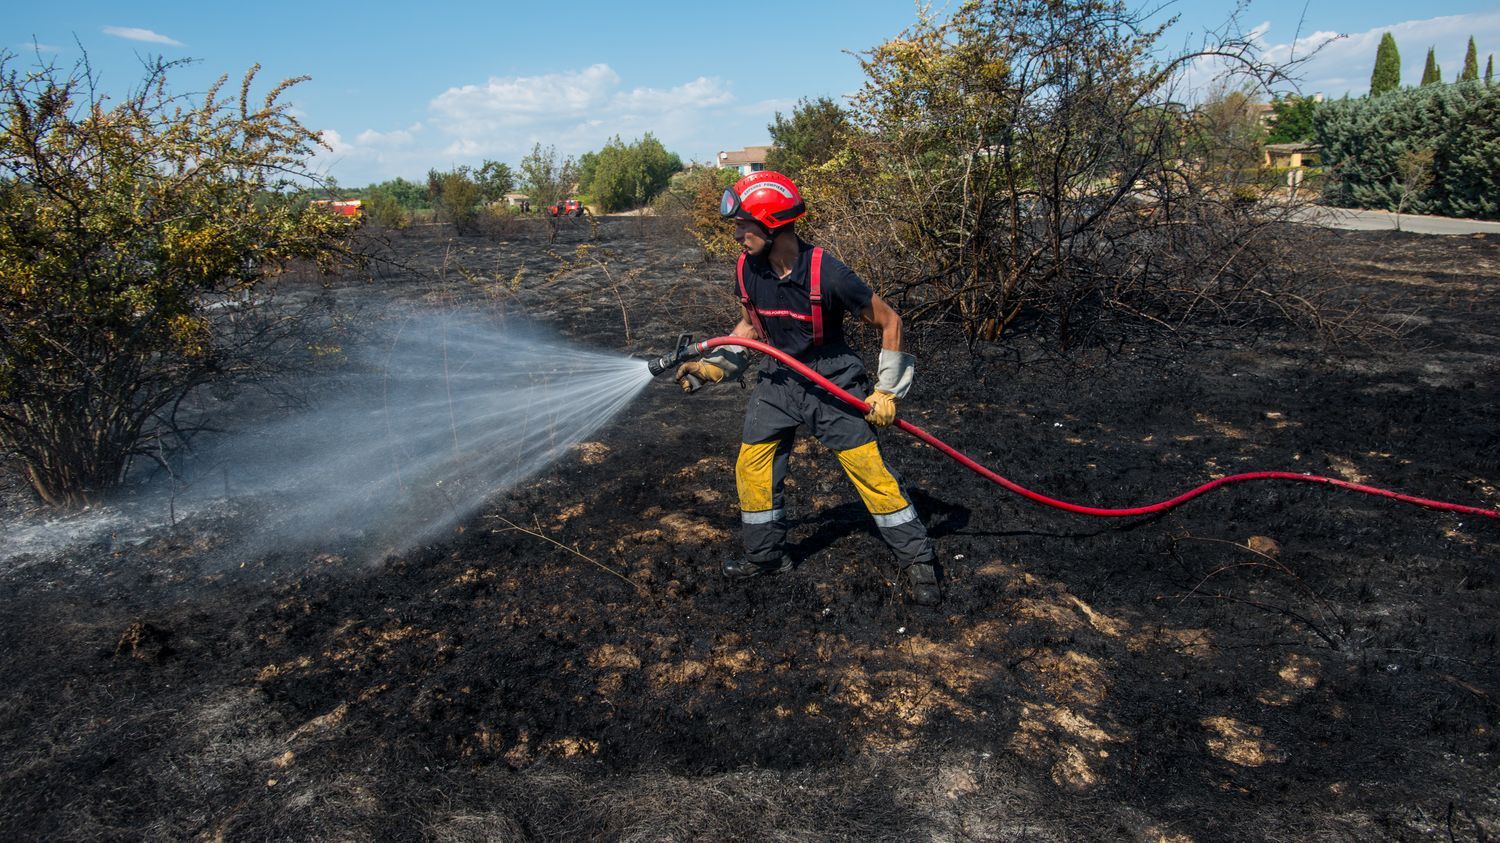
<point>921,577</point>
<point>744,569</point>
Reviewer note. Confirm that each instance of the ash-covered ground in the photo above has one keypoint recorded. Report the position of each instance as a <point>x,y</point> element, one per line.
<point>566,662</point>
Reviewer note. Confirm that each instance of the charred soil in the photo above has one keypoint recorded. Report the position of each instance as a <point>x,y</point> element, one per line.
<point>1269,662</point>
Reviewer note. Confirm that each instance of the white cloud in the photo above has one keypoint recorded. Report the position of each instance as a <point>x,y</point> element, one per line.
<point>699,93</point>
<point>395,138</point>
<point>133,33</point>
<point>575,111</point>
<point>522,100</point>
<point>1336,64</point>
<point>335,142</point>
<point>38,47</point>
<point>464,148</point>
<point>372,156</point>
<point>1345,66</point>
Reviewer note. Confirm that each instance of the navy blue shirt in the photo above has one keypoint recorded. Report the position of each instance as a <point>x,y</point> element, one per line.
<point>843,292</point>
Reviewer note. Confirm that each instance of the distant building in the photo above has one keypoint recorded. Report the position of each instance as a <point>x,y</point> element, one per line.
<point>749,160</point>
<point>1287,156</point>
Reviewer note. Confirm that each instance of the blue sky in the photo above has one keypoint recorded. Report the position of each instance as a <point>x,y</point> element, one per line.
<point>401,88</point>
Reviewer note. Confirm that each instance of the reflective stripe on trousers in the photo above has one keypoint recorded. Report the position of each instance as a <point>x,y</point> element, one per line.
<point>760,473</point>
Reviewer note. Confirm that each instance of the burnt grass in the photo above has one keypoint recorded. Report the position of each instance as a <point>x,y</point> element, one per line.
<point>568,664</point>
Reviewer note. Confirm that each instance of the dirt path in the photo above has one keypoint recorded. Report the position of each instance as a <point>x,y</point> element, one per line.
<point>1171,679</point>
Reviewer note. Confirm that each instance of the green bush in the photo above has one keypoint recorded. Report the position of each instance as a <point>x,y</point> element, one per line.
<point>408,194</point>
<point>385,210</point>
<point>814,132</point>
<point>1367,144</point>
<point>622,176</point>
<point>135,234</point>
<point>456,197</point>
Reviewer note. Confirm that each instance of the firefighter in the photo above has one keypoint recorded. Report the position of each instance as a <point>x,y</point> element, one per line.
<point>794,296</point>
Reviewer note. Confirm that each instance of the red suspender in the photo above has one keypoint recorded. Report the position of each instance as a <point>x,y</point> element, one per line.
<point>814,297</point>
<point>739,272</point>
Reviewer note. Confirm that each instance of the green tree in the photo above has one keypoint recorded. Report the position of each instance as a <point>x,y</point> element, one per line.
<point>122,223</point>
<point>408,194</point>
<point>814,133</point>
<point>456,197</point>
<point>1227,135</point>
<point>1294,119</point>
<point>384,209</point>
<point>588,163</point>
<point>1432,73</point>
<point>494,179</point>
<point>1489,70</point>
<point>1387,73</point>
<point>622,176</point>
<point>544,178</point>
<point>1470,73</point>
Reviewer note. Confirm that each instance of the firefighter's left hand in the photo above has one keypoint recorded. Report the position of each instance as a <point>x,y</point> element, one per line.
<point>882,408</point>
<point>704,370</point>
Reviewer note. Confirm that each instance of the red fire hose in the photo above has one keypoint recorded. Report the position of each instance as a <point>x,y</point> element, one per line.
<point>698,349</point>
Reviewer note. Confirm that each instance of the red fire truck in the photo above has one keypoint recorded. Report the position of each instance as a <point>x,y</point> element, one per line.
<point>341,207</point>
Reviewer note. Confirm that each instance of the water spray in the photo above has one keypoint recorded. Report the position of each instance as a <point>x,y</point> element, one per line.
<point>414,427</point>
<point>689,350</point>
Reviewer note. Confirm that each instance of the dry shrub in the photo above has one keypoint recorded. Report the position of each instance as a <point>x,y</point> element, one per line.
<point>1019,166</point>
<point>691,204</point>
<point>500,221</point>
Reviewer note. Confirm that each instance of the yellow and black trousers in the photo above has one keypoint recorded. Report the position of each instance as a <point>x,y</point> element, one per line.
<point>783,401</point>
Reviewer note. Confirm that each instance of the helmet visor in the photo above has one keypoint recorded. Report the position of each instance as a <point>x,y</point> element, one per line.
<point>729,203</point>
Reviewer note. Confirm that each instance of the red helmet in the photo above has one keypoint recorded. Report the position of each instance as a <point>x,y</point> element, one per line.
<point>767,197</point>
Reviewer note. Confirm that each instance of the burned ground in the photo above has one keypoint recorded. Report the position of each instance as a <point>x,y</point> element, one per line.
<point>1269,662</point>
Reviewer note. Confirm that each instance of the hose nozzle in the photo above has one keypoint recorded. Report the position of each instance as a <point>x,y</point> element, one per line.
<point>686,350</point>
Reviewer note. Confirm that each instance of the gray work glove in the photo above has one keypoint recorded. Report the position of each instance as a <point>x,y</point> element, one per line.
<point>895,373</point>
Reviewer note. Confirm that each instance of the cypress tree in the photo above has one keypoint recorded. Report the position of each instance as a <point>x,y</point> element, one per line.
<point>1387,73</point>
<point>1431,74</point>
<point>1489,70</point>
<point>1471,64</point>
